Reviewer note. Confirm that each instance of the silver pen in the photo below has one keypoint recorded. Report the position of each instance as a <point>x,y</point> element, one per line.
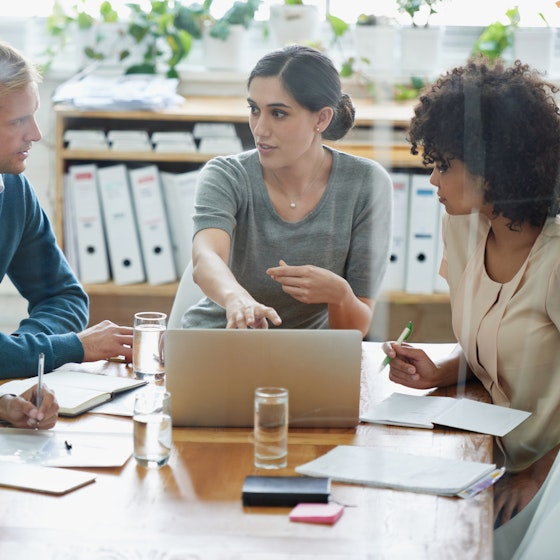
<point>40,371</point>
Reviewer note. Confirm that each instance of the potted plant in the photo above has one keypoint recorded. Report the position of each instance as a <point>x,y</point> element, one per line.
<point>375,41</point>
<point>90,33</point>
<point>294,22</point>
<point>497,37</point>
<point>420,42</point>
<point>224,36</point>
<point>535,45</point>
<point>419,11</point>
<point>351,66</point>
<point>164,35</point>
<point>156,36</point>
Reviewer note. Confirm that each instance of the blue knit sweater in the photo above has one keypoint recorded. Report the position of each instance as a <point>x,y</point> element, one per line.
<point>57,304</point>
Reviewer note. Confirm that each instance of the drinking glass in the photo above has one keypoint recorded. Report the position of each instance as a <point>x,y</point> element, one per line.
<point>271,427</point>
<point>147,345</point>
<point>152,427</point>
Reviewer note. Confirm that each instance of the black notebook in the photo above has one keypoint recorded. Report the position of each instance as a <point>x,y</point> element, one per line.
<point>285,491</point>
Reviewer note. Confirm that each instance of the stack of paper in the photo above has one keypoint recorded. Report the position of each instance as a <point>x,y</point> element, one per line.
<point>390,469</point>
<point>86,139</point>
<point>129,140</point>
<point>217,138</point>
<point>171,141</point>
<point>128,92</point>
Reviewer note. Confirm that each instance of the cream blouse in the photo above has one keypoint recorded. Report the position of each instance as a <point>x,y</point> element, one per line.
<point>510,333</point>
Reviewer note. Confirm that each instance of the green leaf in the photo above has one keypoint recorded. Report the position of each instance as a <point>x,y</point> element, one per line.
<point>347,68</point>
<point>220,30</point>
<point>338,26</point>
<point>144,68</point>
<point>107,13</point>
<point>84,21</point>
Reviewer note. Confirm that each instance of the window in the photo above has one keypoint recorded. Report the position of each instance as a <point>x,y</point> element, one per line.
<point>450,12</point>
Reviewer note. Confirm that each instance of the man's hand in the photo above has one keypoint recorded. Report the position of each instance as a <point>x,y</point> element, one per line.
<point>106,340</point>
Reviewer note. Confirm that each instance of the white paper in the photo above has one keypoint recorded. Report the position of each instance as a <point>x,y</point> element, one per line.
<point>477,416</point>
<point>42,479</point>
<point>399,409</point>
<point>390,469</point>
<point>424,411</point>
<point>128,92</point>
<point>60,448</point>
<point>122,403</point>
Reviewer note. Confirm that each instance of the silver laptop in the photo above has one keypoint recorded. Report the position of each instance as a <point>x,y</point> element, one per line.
<point>212,375</point>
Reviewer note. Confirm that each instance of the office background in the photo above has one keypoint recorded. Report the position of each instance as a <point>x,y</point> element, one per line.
<point>462,22</point>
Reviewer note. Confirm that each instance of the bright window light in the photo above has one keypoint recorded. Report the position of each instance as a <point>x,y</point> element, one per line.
<point>450,12</point>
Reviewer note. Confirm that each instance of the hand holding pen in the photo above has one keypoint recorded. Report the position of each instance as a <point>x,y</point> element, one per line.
<point>45,412</point>
<point>21,411</point>
<point>403,337</point>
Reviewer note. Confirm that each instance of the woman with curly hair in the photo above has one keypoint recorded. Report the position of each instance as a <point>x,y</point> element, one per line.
<point>492,134</point>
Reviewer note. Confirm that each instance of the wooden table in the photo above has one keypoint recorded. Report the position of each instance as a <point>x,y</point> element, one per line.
<point>191,509</point>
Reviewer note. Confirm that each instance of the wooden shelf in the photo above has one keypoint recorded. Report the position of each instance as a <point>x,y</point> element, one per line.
<point>235,110</point>
<point>134,290</point>
<point>118,303</point>
<point>152,157</point>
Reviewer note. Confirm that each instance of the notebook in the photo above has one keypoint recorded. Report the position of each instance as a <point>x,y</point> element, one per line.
<point>77,391</point>
<point>212,375</point>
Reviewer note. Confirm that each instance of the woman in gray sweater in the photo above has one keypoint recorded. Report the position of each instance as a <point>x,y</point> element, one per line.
<point>292,233</point>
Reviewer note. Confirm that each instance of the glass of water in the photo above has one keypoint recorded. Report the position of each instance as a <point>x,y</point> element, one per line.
<point>147,345</point>
<point>152,427</point>
<point>271,427</point>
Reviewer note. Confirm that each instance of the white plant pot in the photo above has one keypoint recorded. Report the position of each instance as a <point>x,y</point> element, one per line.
<point>378,44</point>
<point>225,55</point>
<point>421,51</point>
<point>293,24</point>
<point>535,46</point>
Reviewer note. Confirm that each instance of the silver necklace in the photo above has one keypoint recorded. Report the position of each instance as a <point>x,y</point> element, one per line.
<point>292,202</point>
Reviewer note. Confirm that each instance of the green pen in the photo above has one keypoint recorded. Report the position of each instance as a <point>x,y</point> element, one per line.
<point>403,337</point>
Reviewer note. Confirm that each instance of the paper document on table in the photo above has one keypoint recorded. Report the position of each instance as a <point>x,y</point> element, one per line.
<point>419,411</point>
<point>59,448</point>
<point>390,469</point>
<point>120,405</point>
<point>42,479</point>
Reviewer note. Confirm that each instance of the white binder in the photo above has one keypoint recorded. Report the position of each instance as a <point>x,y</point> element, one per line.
<point>120,225</point>
<point>395,276</point>
<point>70,240</point>
<point>93,266</point>
<point>179,193</point>
<point>440,286</point>
<point>152,224</point>
<point>423,227</point>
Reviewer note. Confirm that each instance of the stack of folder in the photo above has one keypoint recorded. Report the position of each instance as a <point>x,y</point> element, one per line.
<point>416,247</point>
<point>129,224</point>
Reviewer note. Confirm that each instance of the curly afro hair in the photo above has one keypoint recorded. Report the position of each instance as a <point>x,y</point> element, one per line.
<point>503,123</point>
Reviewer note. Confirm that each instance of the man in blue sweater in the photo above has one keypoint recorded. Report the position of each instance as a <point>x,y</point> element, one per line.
<point>29,255</point>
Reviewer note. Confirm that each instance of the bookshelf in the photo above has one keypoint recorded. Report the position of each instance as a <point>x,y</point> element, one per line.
<point>378,134</point>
